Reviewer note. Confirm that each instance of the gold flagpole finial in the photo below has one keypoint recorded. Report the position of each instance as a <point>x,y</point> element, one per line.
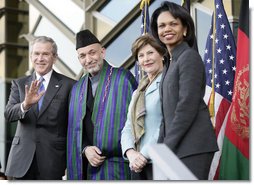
<point>143,2</point>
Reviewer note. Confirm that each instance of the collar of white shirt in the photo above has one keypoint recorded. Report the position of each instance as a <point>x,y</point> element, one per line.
<point>46,78</point>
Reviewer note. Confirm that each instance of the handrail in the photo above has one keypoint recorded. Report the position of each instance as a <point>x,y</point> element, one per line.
<point>167,166</point>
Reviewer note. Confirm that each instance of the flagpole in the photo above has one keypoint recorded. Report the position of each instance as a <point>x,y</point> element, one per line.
<point>144,8</point>
<point>212,98</point>
<point>145,19</point>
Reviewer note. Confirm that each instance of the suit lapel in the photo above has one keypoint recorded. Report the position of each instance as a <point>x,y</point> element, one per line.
<point>53,87</point>
<point>164,72</point>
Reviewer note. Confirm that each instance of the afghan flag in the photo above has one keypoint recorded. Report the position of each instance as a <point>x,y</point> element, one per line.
<point>234,164</point>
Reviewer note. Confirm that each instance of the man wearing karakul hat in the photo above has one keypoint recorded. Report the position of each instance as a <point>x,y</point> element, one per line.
<point>97,113</point>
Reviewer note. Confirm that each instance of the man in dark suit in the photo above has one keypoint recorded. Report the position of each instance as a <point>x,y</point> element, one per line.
<point>38,148</point>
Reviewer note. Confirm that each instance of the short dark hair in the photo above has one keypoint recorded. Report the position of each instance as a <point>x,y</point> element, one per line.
<point>144,40</point>
<point>176,11</point>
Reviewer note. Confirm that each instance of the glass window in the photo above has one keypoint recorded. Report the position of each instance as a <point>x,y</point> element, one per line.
<point>116,55</point>
<point>64,10</point>
<point>34,15</point>
<point>66,49</point>
<point>203,25</point>
<point>118,51</point>
<point>116,10</point>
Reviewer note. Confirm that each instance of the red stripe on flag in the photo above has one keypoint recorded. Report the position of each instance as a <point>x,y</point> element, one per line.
<point>220,116</point>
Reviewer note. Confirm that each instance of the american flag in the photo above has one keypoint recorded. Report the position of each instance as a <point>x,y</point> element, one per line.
<point>220,63</point>
<point>145,24</point>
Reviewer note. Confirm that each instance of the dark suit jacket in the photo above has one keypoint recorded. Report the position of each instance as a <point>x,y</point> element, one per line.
<point>186,129</point>
<point>42,132</point>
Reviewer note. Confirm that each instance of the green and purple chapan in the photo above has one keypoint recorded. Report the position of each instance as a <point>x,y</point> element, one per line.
<point>115,87</point>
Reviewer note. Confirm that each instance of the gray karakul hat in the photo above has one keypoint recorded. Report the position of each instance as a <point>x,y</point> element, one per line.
<point>85,38</point>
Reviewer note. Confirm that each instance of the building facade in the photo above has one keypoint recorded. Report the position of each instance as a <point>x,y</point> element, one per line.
<point>115,22</point>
